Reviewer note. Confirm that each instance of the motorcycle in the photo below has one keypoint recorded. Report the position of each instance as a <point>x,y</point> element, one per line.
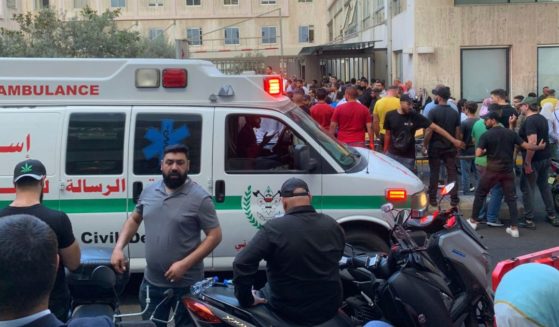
<point>443,281</point>
<point>553,180</point>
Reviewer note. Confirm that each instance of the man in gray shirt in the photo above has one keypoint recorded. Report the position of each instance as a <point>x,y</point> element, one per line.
<point>174,210</point>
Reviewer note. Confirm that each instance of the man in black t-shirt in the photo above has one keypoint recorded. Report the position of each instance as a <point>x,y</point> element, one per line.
<point>439,148</point>
<point>467,165</point>
<point>498,144</point>
<point>536,166</point>
<point>29,179</point>
<point>401,125</point>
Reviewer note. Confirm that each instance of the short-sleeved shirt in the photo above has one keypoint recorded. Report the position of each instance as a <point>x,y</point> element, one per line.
<point>505,111</point>
<point>62,227</point>
<point>466,127</point>
<point>477,131</point>
<point>172,225</point>
<point>401,127</point>
<point>352,118</point>
<point>448,119</point>
<point>536,124</point>
<point>384,106</point>
<point>499,143</point>
<point>322,114</point>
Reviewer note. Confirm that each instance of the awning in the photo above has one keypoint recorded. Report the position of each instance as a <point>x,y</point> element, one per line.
<point>330,48</point>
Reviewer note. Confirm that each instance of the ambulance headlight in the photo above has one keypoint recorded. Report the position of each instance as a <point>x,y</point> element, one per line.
<point>147,78</point>
<point>418,204</point>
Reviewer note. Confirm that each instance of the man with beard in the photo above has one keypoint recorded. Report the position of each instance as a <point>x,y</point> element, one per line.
<point>29,180</point>
<point>174,210</point>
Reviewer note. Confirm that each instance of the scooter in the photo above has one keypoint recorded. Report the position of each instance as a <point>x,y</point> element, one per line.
<point>213,303</point>
<point>553,180</point>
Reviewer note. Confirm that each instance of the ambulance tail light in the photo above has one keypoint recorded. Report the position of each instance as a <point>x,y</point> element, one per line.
<point>273,85</point>
<point>174,78</point>
<point>396,195</point>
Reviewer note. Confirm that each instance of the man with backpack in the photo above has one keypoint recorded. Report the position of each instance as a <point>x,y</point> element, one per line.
<point>401,125</point>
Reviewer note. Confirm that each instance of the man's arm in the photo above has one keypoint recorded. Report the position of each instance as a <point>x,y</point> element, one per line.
<point>376,124</point>
<point>386,144</point>
<point>333,127</point>
<point>130,228</point>
<point>71,256</point>
<point>427,137</point>
<point>480,152</point>
<point>439,130</point>
<point>532,139</point>
<point>458,133</point>
<point>246,264</point>
<point>371,135</point>
<point>534,147</point>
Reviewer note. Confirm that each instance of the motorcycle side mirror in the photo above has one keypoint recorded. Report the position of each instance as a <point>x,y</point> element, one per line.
<point>448,188</point>
<point>387,207</point>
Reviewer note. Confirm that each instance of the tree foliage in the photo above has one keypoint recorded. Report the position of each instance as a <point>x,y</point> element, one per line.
<point>46,34</point>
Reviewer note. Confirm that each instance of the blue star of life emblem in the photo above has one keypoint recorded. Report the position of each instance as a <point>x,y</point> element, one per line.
<point>163,137</point>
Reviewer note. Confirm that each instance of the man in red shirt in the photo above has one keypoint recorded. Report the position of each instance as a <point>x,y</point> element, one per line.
<point>352,119</point>
<point>321,111</point>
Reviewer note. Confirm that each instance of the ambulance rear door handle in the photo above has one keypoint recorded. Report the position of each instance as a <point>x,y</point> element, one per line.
<point>137,188</point>
<point>220,191</point>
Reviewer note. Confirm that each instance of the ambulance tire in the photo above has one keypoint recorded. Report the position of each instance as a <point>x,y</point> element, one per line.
<point>366,240</point>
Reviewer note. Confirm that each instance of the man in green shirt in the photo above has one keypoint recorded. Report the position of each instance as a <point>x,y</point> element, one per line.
<point>491,209</point>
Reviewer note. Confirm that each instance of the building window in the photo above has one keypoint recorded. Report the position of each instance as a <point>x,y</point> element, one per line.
<point>491,2</point>
<point>398,6</point>
<point>95,144</point>
<point>147,159</point>
<point>548,71</point>
<point>194,36</point>
<point>192,2</point>
<point>232,35</point>
<point>156,3</point>
<point>484,70</point>
<point>306,34</point>
<point>154,33</point>
<point>80,3</point>
<point>42,4</point>
<point>378,12</point>
<point>118,3</point>
<point>11,4</point>
<point>231,2</point>
<point>269,34</point>
<point>268,2</point>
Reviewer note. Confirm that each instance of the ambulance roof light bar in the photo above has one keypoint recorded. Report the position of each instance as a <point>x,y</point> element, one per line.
<point>273,85</point>
<point>153,78</point>
<point>147,78</point>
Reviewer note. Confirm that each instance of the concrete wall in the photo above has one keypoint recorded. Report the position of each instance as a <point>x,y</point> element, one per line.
<point>403,40</point>
<point>448,28</point>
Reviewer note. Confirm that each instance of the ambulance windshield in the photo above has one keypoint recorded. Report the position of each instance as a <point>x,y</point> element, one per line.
<point>340,152</point>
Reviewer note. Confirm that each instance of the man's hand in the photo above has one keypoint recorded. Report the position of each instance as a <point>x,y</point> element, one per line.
<point>118,261</point>
<point>176,271</point>
<point>267,138</point>
<point>512,120</point>
<point>528,168</point>
<point>541,145</point>
<point>257,299</point>
<point>459,144</point>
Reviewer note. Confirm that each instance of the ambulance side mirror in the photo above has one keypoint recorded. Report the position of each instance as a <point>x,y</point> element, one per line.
<point>303,160</point>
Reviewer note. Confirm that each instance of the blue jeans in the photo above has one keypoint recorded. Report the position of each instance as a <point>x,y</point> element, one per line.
<point>469,175</point>
<point>182,317</point>
<point>491,209</point>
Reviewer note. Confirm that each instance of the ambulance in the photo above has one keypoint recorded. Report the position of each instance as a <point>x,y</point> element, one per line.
<point>100,127</point>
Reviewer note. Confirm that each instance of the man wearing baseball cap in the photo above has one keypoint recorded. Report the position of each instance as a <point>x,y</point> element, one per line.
<point>302,250</point>
<point>29,180</point>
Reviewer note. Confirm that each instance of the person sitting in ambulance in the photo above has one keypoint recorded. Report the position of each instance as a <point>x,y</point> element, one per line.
<point>247,145</point>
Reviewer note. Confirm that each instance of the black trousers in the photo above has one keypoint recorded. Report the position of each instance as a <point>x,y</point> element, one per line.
<point>487,181</point>
<point>448,156</point>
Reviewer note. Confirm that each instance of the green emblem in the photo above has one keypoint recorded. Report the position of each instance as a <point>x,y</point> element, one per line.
<point>260,207</point>
<point>26,168</point>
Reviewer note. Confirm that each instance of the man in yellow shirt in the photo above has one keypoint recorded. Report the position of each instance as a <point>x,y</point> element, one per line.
<point>550,99</point>
<point>382,107</point>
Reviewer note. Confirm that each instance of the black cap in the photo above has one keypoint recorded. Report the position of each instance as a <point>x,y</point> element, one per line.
<point>29,168</point>
<point>491,115</point>
<point>291,185</point>
<point>299,91</point>
<point>442,91</point>
<point>406,98</point>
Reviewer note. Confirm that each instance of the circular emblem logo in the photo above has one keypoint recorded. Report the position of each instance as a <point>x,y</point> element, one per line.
<point>261,206</point>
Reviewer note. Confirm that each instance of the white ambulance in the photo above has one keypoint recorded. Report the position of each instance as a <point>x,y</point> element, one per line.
<point>100,126</point>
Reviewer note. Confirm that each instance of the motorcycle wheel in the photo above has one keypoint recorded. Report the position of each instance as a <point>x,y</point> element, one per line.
<point>482,314</point>
<point>366,241</point>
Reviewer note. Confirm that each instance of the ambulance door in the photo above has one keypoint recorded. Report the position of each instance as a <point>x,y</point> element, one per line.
<point>30,134</point>
<point>153,128</point>
<point>94,177</point>
<point>248,172</point>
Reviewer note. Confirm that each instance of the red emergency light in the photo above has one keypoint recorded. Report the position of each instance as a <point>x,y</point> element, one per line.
<point>174,78</point>
<point>273,85</point>
<point>396,195</point>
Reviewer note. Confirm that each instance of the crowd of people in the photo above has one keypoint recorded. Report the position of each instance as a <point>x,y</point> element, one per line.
<point>478,142</point>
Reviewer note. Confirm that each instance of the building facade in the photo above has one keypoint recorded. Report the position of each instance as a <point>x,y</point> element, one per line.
<point>236,34</point>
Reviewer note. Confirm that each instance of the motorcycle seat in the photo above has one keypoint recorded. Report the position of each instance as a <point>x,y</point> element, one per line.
<point>93,310</point>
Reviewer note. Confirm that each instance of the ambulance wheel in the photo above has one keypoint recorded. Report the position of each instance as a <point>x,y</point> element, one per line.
<point>366,240</point>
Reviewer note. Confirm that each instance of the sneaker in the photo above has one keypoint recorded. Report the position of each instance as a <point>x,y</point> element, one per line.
<point>513,232</point>
<point>527,224</point>
<point>472,224</point>
<point>472,188</point>
<point>495,224</point>
<point>553,221</point>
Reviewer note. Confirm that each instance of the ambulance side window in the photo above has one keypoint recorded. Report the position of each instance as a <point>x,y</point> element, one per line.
<point>155,131</point>
<point>259,143</point>
<point>95,144</point>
